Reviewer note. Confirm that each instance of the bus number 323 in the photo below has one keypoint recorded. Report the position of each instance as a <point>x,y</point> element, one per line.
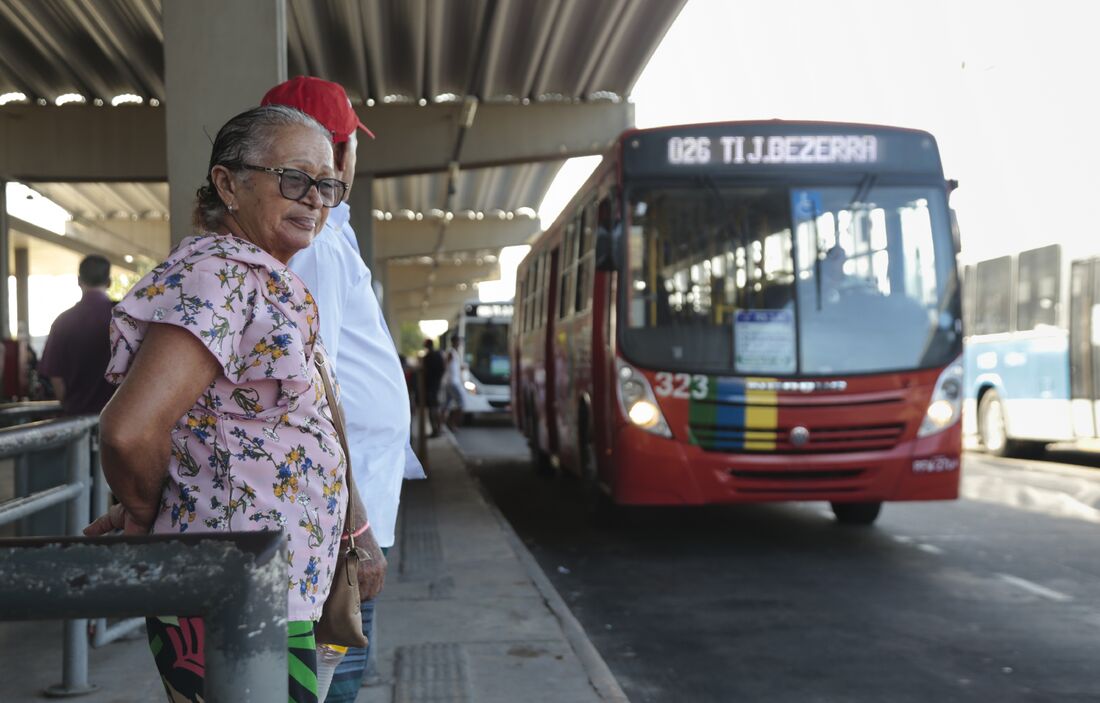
<point>681,385</point>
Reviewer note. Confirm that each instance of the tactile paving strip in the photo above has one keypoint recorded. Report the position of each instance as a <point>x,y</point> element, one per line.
<point>431,673</point>
<point>421,549</point>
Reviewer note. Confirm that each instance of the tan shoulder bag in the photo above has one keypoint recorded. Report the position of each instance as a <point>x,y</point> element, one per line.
<point>341,621</point>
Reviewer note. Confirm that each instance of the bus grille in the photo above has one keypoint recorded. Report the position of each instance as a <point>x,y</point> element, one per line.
<point>822,440</point>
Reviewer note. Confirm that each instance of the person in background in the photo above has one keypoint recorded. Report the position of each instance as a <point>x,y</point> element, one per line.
<point>222,420</point>
<point>453,405</point>
<point>373,390</point>
<point>78,348</point>
<point>433,367</point>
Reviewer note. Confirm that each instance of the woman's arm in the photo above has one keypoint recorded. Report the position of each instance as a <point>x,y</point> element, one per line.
<point>170,371</point>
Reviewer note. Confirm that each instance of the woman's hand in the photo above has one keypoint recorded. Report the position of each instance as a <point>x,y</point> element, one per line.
<point>118,517</point>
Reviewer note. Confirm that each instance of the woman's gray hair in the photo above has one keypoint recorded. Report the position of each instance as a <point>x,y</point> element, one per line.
<point>246,138</point>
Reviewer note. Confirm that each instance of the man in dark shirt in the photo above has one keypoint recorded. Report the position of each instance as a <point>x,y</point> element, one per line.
<point>78,348</point>
<point>433,368</point>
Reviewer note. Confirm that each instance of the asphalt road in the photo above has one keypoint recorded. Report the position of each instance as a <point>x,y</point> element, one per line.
<point>974,600</point>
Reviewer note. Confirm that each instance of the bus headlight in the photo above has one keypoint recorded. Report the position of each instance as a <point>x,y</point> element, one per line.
<point>637,401</point>
<point>644,414</point>
<point>470,387</point>
<point>945,407</point>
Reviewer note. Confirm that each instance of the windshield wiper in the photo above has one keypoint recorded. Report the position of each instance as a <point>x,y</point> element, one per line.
<point>864,187</point>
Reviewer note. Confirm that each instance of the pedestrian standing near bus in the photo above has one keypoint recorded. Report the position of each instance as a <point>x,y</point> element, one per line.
<point>373,389</point>
<point>433,367</point>
<point>224,420</point>
<point>453,405</point>
<point>78,349</point>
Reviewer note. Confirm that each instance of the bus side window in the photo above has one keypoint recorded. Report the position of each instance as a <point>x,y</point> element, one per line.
<point>542,283</point>
<point>586,227</point>
<point>969,299</point>
<point>539,313</point>
<point>567,265</point>
<point>994,309</point>
<point>1037,287</point>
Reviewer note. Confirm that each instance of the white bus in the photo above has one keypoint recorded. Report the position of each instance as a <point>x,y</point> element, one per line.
<point>487,367</point>
<point>1032,320</point>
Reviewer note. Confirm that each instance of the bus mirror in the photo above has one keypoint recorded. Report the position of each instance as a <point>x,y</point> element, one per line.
<point>956,235</point>
<point>606,236</point>
<point>605,250</point>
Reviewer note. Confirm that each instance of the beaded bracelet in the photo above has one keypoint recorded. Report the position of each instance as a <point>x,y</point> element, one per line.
<point>361,530</point>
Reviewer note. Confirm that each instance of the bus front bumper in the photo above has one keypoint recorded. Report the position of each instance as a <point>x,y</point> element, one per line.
<point>653,470</point>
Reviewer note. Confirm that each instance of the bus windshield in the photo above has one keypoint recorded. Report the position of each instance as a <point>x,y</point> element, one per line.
<point>790,281</point>
<point>486,348</point>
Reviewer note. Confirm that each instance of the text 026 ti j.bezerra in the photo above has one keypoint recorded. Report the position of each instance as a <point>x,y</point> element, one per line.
<point>788,149</point>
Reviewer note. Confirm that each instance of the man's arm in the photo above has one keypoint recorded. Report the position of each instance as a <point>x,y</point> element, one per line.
<point>372,570</point>
<point>58,385</point>
<point>326,275</point>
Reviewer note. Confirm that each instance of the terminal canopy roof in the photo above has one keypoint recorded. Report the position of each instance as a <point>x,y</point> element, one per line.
<point>476,103</point>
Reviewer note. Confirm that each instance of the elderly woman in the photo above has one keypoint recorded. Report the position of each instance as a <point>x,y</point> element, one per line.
<point>221,420</point>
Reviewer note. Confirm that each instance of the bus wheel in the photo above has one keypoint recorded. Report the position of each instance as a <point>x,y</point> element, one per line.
<point>991,424</point>
<point>598,505</point>
<point>540,461</point>
<point>856,513</point>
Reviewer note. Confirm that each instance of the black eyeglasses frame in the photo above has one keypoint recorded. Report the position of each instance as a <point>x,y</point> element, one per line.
<point>313,182</point>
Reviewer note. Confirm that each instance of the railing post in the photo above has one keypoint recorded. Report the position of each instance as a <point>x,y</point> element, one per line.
<point>74,662</point>
<point>99,483</point>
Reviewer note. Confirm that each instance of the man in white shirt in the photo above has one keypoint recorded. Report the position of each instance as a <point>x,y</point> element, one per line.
<point>372,384</point>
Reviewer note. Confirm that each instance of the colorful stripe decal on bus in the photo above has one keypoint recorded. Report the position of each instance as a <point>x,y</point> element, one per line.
<point>736,414</point>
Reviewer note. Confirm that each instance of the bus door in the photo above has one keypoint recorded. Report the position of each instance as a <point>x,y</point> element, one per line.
<point>550,385</point>
<point>1084,343</point>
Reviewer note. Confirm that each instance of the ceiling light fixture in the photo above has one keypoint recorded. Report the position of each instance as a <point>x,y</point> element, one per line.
<point>126,99</point>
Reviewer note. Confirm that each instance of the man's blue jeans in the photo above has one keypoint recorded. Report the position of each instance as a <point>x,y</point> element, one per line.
<point>349,672</point>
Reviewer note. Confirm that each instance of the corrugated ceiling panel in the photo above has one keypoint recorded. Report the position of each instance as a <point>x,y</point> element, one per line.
<point>108,200</point>
<point>99,49</point>
<point>506,188</point>
<point>517,43</point>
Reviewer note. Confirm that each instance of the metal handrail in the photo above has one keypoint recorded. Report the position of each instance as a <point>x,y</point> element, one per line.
<point>43,434</point>
<point>18,413</point>
<point>75,434</point>
<point>235,581</point>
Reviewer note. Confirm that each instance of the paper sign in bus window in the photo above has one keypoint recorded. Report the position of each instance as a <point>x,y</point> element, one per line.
<point>806,204</point>
<point>764,341</point>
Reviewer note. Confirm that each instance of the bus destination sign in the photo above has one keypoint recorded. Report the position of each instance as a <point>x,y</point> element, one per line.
<point>489,309</point>
<point>790,149</point>
<point>779,148</point>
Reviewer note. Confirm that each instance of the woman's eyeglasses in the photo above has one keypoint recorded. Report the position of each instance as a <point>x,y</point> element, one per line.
<point>295,184</point>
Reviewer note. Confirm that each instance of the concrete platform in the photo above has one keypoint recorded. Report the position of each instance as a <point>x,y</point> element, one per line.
<point>466,615</point>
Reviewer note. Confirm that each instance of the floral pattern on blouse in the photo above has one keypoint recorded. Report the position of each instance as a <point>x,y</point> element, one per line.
<point>259,449</point>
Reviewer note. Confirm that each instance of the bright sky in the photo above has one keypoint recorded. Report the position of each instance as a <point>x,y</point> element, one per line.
<point>1007,88</point>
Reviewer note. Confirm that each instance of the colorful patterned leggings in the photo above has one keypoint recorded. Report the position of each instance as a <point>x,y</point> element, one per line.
<point>177,645</point>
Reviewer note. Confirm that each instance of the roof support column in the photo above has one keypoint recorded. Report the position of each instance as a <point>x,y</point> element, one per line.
<point>387,305</point>
<point>361,201</point>
<point>5,244</point>
<point>22,294</point>
<point>220,58</point>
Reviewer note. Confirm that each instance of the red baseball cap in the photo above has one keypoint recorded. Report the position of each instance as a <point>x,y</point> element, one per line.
<point>324,101</point>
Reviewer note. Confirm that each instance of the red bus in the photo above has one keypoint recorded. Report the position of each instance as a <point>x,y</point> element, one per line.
<point>748,312</point>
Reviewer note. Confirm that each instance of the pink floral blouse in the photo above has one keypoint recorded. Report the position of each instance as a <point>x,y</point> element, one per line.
<point>259,449</point>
